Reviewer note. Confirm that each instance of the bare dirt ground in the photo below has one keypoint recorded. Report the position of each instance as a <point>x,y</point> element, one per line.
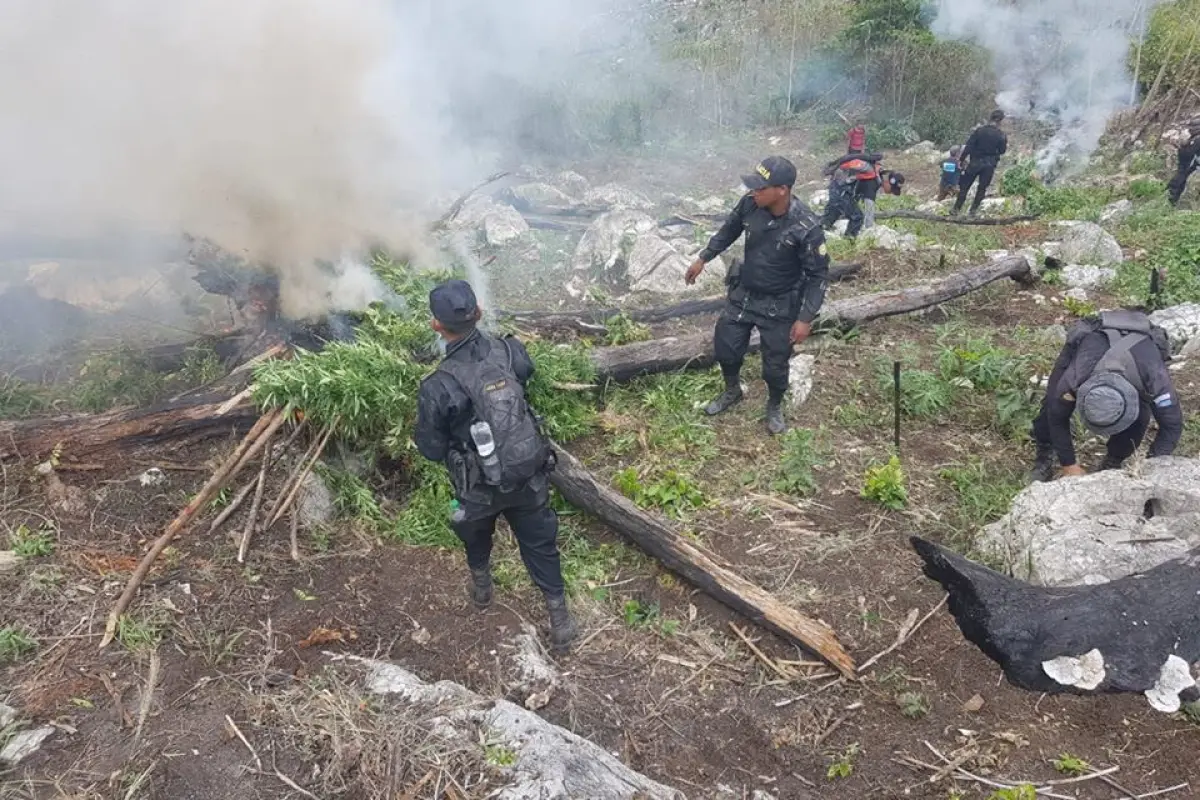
<point>659,677</point>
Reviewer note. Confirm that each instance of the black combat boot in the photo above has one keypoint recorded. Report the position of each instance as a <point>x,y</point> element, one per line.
<point>1043,467</point>
<point>775,421</point>
<point>1107,463</point>
<point>562,627</point>
<point>725,400</point>
<point>480,587</point>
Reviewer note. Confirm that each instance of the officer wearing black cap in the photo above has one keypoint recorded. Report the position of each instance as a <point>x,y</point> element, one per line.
<point>1113,371</point>
<point>472,416</point>
<point>779,288</point>
<point>981,153</point>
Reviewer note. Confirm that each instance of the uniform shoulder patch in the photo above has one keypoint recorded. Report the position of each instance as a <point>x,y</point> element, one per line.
<point>822,250</point>
<point>1163,400</point>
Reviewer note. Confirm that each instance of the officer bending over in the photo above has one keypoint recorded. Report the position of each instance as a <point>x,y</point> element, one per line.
<point>780,287</point>
<point>1113,371</point>
<point>472,415</point>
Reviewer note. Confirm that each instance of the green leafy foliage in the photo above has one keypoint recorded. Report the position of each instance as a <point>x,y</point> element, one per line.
<point>1146,189</point>
<point>15,644</point>
<point>800,455</point>
<point>1172,243</point>
<point>913,705</point>
<point>28,542</point>
<point>673,493</point>
<point>352,497</point>
<point>20,399</point>
<point>624,330</point>
<point>566,415</point>
<point>1025,791</point>
<point>1168,46</point>
<point>425,518</point>
<point>114,379</point>
<point>1063,202</point>
<point>1071,765</point>
<point>984,491</point>
<point>1079,308</point>
<point>668,405</point>
<point>885,484</point>
<point>843,766</point>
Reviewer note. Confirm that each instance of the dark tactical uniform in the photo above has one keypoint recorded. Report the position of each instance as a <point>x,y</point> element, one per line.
<point>444,416</point>
<point>1189,159</point>
<point>781,281</point>
<point>1086,345</point>
<point>851,178</point>
<point>982,152</point>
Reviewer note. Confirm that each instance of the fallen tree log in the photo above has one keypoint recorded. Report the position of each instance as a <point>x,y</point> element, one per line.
<point>592,320</point>
<point>93,435</point>
<point>954,220</point>
<point>696,565</point>
<point>1139,633</point>
<point>625,362</point>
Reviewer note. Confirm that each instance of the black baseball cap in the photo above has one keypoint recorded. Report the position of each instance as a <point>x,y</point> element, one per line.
<point>453,303</point>
<point>771,171</point>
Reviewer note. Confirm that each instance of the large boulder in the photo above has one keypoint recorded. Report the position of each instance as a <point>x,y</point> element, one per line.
<point>615,196</point>
<point>1079,276</point>
<point>1116,213</point>
<point>503,226</point>
<point>532,196</point>
<point>1088,243</point>
<point>1181,322</point>
<point>1099,527</point>
<point>571,183</point>
<point>886,238</point>
<point>654,265</point>
<point>548,762</point>
<point>609,238</point>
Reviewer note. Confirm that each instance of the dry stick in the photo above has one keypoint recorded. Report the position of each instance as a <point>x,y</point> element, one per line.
<point>994,784</point>
<point>287,503</point>
<point>147,695</point>
<point>249,447</point>
<point>277,506</point>
<point>904,636</point>
<point>787,675</point>
<point>293,537</point>
<point>233,506</point>
<point>238,733</point>
<point>252,520</point>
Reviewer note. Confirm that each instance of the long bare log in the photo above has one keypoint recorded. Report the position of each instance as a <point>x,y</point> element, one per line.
<point>625,362</point>
<point>698,566</point>
<point>954,220</point>
<point>592,320</point>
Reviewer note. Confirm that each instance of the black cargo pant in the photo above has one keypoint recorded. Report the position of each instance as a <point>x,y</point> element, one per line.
<point>843,204</point>
<point>983,174</point>
<point>533,522</point>
<point>1179,182</point>
<point>773,317</point>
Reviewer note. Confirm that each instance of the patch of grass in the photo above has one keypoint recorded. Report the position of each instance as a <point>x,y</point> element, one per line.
<point>984,492</point>
<point>1079,308</point>
<point>1071,765</point>
<point>15,644</point>
<point>1171,240</point>
<point>120,378</point>
<point>1146,189</point>
<point>141,632</point>
<point>885,484</point>
<point>672,492</point>
<point>587,565</point>
<point>667,406</point>
<point>566,415</point>
<point>1025,791</point>
<point>622,329</point>
<point>499,756</point>
<point>800,455</point>
<point>1146,161</point>
<point>201,366</point>
<point>29,543</point>
<point>425,519</point>
<point>353,499</point>
<point>843,765</point>
<point>19,399</point>
<point>913,705</point>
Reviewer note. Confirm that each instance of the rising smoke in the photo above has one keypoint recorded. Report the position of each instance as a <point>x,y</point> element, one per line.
<point>285,131</point>
<point>1059,61</point>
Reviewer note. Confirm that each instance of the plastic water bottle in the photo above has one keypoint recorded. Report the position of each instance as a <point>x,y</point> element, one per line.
<point>485,445</point>
<point>456,512</point>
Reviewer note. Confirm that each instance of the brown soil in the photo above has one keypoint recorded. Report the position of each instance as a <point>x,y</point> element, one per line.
<point>688,704</point>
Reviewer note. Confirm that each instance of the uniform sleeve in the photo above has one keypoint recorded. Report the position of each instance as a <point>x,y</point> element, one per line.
<point>814,274</point>
<point>729,233</point>
<point>1058,409</point>
<point>432,434</point>
<point>522,364</point>
<point>1164,405</point>
<point>969,147</point>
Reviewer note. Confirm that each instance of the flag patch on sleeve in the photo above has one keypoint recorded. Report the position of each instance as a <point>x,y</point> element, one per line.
<point>1163,400</point>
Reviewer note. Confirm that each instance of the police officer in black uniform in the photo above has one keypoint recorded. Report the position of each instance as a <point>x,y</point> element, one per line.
<point>780,286</point>
<point>1189,159</point>
<point>982,153</point>
<point>445,415</point>
<point>1113,371</point>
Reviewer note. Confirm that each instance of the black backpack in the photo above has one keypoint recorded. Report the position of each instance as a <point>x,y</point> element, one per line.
<point>498,399</point>
<point>1125,329</point>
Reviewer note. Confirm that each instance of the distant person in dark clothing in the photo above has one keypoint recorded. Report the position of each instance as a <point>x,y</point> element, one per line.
<point>1189,159</point>
<point>980,156</point>
<point>778,290</point>
<point>950,174</point>
<point>1113,371</point>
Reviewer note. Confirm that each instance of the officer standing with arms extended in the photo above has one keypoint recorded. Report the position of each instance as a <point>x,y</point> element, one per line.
<point>981,153</point>
<point>1113,371</point>
<point>472,415</point>
<point>780,287</point>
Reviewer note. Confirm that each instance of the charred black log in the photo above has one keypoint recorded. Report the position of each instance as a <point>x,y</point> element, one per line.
<point>1135,634</point>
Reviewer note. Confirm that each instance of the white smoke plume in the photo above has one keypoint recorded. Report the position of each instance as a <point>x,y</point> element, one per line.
<point>285,131</point>
<point>1059,61</point>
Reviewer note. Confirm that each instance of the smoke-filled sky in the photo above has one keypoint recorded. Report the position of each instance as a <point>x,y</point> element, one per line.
<point>1062,61</point>
<point>286,130</point>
